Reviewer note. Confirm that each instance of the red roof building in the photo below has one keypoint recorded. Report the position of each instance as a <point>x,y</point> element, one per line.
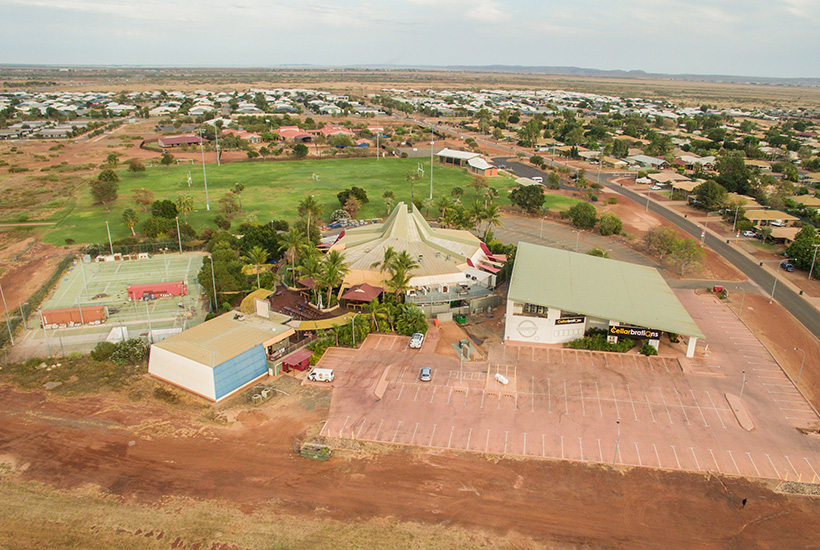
<point>74,315</point>
<point>152,291</point>
<point>176,141</point>
<point>362,293</point>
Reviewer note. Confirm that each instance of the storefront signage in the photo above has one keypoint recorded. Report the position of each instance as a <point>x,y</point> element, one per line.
<point>626,331</point>
<point>569,320</point>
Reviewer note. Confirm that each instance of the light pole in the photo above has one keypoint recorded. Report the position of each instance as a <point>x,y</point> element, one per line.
<point>741,301</point>
<point>706,226</point>
<point>814,257</point>
<point>179,237</point>
<point>164,261</point>
<point>8,323</point>
<point>204,175</point>
<point>110,244</point>
<point>432,142</point>
<point>803,362</point>
<point>577,238</point>
<point>45,332</point>
<point>734,223</point>
<point>742,385</point>
<point>617,443</point>
<point>776,273</point>
<point>22,316</point>
<point>353,331</point>
<point>213,280</point>
<point>648,191</point>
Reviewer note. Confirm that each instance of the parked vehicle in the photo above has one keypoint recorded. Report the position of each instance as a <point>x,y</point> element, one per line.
<point>321,375</point>
<point>426,374</point>
<point>537,179</point>
<point>416,340</point>
<point>749,234</point>
<point>787,266</point>
<point>656,188</point>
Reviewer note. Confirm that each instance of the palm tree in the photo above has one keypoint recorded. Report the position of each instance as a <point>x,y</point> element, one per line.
<point>401,268</point>
<point>389,256</point>
<point>492,216</point>
<point>311,266</point>
<point>376,311</point>
<point>389,199</point>
<point>490,195</point>
<point>309,207</point>
<point>257,257</point>
<point>443,204</point>
<point>476,213</point>
<point>185,204</point>
<point>131,219</point>
<point>334,270</point>
<point>292,243</point>
<point>478,183</point>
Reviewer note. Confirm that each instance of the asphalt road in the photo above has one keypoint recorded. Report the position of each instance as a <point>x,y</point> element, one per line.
<point>797,306</point>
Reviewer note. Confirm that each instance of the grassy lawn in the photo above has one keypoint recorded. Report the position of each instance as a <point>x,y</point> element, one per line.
<point>272,191</point>
<point>559,202</point>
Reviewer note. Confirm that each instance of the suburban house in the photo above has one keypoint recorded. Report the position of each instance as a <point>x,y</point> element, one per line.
<point>645,161</point>
<point>473,161</point>
<point>167,142</point>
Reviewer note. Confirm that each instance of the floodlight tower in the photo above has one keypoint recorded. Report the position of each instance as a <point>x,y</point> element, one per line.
<point>431,161</point>
<point>204,175</point>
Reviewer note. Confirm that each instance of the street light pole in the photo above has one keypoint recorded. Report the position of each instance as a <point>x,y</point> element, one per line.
<point>617,443</point>
<point>742,385</point>
<point>577,238</point>
<point>432,142</point>
<point>164,261</point>
<point>8,323</point>
<point>179,237</point>
<point>803,362</point>
<point>735,222</point>
<point>814,257</point>
<point>110,244</point>
<point>204,175</point>
<point>741,301</point>
<point>22,316</point>
<point>776,273</point>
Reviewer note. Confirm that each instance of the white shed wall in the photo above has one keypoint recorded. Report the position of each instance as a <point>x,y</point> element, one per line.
<point>182,371</point>
<point>541,330</point>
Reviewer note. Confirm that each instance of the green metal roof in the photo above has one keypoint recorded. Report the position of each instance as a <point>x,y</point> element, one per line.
<point>598,287</point>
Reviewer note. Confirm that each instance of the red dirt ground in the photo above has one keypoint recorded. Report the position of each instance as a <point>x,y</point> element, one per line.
<point>25,265</point>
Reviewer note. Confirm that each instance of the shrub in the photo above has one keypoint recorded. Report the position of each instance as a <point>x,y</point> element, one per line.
<point>222,222</point>
<point>582,215</point>
<point>609,224</point>
<point>612,200</point>
<point>164,394</point>
<point>103,351</point>
<point>130,352</point>
<point>648,350</point>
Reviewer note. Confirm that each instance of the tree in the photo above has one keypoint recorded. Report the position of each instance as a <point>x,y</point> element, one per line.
<point>554,180</point>
<point>228,205</point>
<point>252,154</point>
<point>401,268</point>
<point>164,209</point>
<point>352,206</point>
<point>490,194</point>
<point>355,192</point>
<point>292,243</point>
<point>411,176</point>
<point>166,160</point>
<point>528,197</point>
<point>257,257</point>
<point>143,197</point>
<point>711,195</point>
<point>112,160</point>
<point>375,312</point>
<point>131,219</point>
<point>478,183</point>
<point>389,199</point>
<point>334,270</point>
<point>300,150</point>
<point>135,165</point>
<point>537,160</point>
<point>457,193</point>
<point>620,148</point>
<point>734,175</point>
<point>309,207</point>
<point>660,241</point>
<point>492,217</point>
<point>802,248</point>
<point>609,224</point>
<point>583,215</point>
<point>185,204</point>
<point>104,189</point>
<point>237,190</point>
<point>687,252</point>
<point>476,213</point>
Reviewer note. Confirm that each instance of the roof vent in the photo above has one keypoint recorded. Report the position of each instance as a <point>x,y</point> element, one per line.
<point>421,257</point>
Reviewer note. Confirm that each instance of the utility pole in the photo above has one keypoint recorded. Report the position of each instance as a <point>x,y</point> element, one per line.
<point>432,142</point>
<point>179,237</point>
<point>617,443</point>
<point>110,244</point>
<point>204,175</point>
<point>8,323</point>
<point>814,257</point>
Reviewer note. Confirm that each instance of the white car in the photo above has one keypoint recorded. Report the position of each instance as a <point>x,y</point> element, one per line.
<point>749,234</point>
<point>416,340</point>
<point>656,188</point>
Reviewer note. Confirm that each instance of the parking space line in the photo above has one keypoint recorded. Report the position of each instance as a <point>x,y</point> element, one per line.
<point>401,376</point>
<point>469,435</point>
<point>773,466</point>
<point>600,409</point>
<point>566,403</point>
<point>434,394</point>
<point>543,446</point>
<point>532,386</point>
<point>600,454</point>
<point>364,420</point>
<point>562,447</point>
<point>525,444</point>
<point>812,469</point>
<point>640,463</point>
<point>414,433</point>
<point>648,404</point>
<point>664,404</point>
<point>506,437</point>
<point>400,392</point>
<point>487,444</point>
<point>380,429</point>
<point>614,400</point>
<point>790,464</point>
<point>631,402</point>
<point>450,441</point>
<point>753,463</point>
<point>703,416</point>
<point>396,433</point>
<point>682,408</point>
<point>799,418</point>
<point>697,464</point>
<point>341,431</point>
<point>776,385</point>
<point>676,456</point>
<point>418,388</point>
<point>657,455</point>
<point>449,396</point>
<point>549,396</point>
<point>483,394</point>
<point>581,446</point>
<point>432,434</point>
<point>583,407</point>
<point>715,409</point>
<point>715,461</point>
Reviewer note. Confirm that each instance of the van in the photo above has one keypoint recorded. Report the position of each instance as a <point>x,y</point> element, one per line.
<point>537,179</point>
<point>321,375</point>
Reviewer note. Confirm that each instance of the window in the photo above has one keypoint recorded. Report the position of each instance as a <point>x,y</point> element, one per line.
<point>534,310</point>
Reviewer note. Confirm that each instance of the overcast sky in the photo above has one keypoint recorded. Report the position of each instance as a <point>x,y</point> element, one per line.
<point>738,37</point>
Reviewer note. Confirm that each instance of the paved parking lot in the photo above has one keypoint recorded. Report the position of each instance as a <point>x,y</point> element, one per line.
<point>578,405</point>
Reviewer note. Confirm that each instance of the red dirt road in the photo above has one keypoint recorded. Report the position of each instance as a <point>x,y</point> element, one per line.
<point>72,442</point>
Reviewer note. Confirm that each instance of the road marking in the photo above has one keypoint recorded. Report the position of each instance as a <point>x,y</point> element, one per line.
<point>549,396</point>
<point>812,469</point>
<point>703,416</point>
<point>600,454</point>
<point>657,456</point>
<point>532,385</point>
<point>487,444</point>
<point>380,429</point>
<point>449,396</point>
<point>753,463</point>
<point>566,403</point>
<point>525,444</point>
<point>583,407</point>
<point>432,434</point>
<point>364,420</point>
<point>418,387</point>
<point>402,372</point>
<point>682,408</point>
<point>614,399</point>
<point>792,465</point>
<point>600,409</point>
<point>649,405</point>
<point>715,409</point>
<point>396,433</point>
<point>715,461</point>
<point>450,441</point>
<point>640,463</point>
<point>562,447</point>
<point>773,466</point>
<point>506,437</point>
<point>543,446</point>
<point>631,402</point>
<point>482,397</point>
<point>676,456</point>
<point>400,392</point>
<point>697,464</point>
<point>434,393</point>
<point>660,391</point>
<point>414,433</point>
<point>341,431</point>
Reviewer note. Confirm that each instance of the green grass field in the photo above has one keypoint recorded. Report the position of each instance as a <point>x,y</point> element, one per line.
<point>272,191</point>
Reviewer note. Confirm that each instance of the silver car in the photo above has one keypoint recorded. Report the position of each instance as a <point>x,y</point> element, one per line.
<point>426,374</point>
<point>416,340</point>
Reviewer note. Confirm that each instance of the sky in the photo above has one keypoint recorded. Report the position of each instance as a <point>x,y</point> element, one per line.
<point>772,38</point>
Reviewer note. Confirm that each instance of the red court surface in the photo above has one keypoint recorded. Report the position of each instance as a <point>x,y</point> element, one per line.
<point>584,406</point>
